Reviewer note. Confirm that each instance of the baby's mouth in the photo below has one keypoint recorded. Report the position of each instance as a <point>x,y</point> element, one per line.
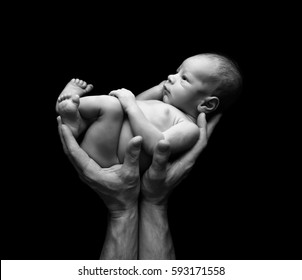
<point>166,91</point>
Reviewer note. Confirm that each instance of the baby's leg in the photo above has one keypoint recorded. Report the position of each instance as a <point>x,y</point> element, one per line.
<point>101,139</point>
<point>68,103</point>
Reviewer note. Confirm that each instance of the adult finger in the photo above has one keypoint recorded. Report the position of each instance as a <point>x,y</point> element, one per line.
<point>77,155</point>
<point>212,123</point>
<point>182,166</point>
<point>131,159</point>
<point>201,120</point>
<point>206,129</point>
<point>65,149</point>
<point>160,159</point>
<point>59,120</point>
<point>190,156</point>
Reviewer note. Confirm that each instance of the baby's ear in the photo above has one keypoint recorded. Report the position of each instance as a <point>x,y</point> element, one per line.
<point>208,105</point>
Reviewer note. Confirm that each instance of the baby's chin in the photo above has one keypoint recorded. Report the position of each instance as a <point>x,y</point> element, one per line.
<point>166,99</point>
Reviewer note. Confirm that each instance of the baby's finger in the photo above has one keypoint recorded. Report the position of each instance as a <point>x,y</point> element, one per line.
<point>113,93</point>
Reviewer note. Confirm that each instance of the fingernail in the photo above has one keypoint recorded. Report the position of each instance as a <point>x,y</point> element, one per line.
<point>163,148</point>
<point>137,144</point>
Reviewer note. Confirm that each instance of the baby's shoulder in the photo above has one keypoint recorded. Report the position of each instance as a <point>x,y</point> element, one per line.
<point>180,116</point>
<point>149,103</point>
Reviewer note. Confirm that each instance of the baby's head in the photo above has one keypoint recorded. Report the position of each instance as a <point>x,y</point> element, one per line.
<point>203,83</point>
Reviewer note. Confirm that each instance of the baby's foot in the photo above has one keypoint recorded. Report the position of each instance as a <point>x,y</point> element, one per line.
<point>76,87</point>
<point>68,109</point>
<point>68,104</point>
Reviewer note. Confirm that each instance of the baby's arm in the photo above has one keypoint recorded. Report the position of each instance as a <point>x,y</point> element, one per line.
<point>154,93</point>
<point>181,136</point>
<point>140,125</point>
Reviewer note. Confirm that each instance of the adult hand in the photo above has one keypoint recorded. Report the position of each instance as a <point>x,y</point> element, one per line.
<point>118,185</point>
<point>162,176</point>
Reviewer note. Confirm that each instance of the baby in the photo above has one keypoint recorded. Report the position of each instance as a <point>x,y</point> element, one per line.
<point>203,83</point>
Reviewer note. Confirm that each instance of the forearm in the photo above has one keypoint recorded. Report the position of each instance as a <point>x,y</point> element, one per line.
<point>155,240</point>
<point>121,239</point>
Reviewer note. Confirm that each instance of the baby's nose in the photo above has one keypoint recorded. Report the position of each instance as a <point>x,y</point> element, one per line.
<point>171,78</point>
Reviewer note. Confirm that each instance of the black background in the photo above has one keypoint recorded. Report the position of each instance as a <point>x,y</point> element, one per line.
<point>241,199</point>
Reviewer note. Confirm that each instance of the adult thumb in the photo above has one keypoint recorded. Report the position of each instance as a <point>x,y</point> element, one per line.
<point>132,153</point>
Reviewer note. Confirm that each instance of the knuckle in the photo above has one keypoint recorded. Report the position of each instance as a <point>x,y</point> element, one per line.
<point>87,175</point>
<point>156,174</point>
<point>131,176</point>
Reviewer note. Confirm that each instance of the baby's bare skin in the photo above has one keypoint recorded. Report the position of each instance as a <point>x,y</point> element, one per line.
<point>167,111</point>
<point>161,115</point>
<point>68,104</point>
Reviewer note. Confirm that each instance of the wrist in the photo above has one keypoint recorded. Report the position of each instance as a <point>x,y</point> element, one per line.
<point>122,235</point>
<point>153,197</point>
<point>154,205</point>
<point>125,214</point>
<point>131,107</point>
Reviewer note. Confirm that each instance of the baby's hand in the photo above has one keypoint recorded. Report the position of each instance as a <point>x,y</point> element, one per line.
<point>126,97</point>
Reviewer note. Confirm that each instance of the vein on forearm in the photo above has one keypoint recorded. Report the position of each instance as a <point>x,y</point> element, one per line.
<point>121,236</point>
<point>155,240</point>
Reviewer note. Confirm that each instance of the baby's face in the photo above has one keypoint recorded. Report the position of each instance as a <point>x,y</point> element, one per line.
<point>190,84</point>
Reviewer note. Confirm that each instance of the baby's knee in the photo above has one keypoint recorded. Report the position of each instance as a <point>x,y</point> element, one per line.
<point>113,106</point>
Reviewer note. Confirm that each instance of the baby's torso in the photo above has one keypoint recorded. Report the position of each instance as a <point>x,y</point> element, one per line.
<point>161,115</point>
